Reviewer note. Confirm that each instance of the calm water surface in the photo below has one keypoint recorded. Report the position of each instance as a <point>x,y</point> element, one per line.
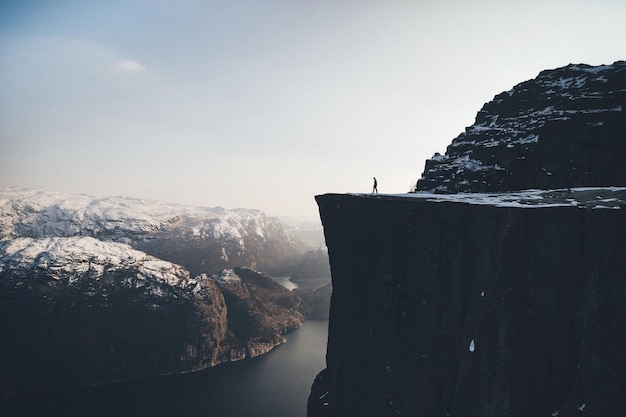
<point>276,384</point>
<point>286,282</point>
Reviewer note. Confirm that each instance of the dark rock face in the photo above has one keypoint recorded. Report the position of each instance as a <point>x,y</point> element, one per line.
<point>567,127</point>
<point>446,308</point>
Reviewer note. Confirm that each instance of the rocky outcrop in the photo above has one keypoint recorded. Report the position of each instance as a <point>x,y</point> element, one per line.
<point>260,311</point>
<point>468,299</point>
<point>475,305</point>
<point>564,128</point>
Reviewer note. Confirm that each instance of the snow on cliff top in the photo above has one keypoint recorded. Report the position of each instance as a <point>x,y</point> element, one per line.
<point>585,197</point>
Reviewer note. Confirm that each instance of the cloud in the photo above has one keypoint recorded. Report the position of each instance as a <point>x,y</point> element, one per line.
<point>127,65</point>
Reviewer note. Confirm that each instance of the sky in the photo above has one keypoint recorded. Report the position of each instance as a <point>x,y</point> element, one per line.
<point>265,104</point>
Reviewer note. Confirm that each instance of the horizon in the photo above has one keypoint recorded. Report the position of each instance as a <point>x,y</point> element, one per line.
<point>265,105</point>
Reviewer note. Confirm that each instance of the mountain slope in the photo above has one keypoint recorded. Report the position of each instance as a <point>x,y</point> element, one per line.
<point>565,128</point>
<point>78,311</point>
<point>204,240</point>
<point>97,290</point>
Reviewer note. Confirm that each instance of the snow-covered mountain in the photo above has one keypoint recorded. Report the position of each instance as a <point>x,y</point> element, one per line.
<point>567,127</point>
<point>85,261</point>
<point>204,240</point>
<point>80,311</point>
<point>106,289</point>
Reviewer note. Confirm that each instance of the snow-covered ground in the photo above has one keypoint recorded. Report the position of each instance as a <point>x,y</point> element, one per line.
<point>584,197</point>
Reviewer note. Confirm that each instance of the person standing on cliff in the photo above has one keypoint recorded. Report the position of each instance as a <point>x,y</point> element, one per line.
<point>375,189</point>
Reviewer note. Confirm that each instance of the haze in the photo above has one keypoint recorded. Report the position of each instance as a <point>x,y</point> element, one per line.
<point>264,104</point>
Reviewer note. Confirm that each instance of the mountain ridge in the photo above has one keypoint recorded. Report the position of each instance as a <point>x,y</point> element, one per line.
<point>563,128</point>
<point>96,290</point>
<point>218,238</point>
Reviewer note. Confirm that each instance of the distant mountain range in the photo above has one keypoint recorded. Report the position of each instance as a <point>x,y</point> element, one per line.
<point>204,240</point>
<point>106,289</point>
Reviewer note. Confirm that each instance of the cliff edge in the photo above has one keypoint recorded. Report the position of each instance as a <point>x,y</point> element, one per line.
<point>498,289</point>
<point>469,306</point>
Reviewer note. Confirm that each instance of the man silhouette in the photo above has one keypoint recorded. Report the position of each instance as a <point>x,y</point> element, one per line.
<point>375,189</point>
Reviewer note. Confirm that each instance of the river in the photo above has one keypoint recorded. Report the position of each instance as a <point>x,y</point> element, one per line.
<point>276,384</point>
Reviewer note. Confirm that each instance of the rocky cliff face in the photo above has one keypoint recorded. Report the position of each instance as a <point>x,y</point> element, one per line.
<point>475,306</point>
<point>260,311</point>
<point>467,299</point>
<point>566,127</point>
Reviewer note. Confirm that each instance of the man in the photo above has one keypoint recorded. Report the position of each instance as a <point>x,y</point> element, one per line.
<point>375,189</point>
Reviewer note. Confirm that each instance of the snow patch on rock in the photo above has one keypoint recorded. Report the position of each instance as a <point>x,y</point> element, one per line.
<point>227,277</point>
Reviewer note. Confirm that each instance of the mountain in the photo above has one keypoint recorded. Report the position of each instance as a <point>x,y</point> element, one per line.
<point>204,240</point>
<point>82,301</point>
<point>478,297</point>
<point>259,310</point>
<point>78,311</point>
<point>564,128</point>
<point>313,270</point>
<point>312,275</point>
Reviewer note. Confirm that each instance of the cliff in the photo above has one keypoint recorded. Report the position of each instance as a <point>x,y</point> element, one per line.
<point>475,305</point>
<point>453,302</point>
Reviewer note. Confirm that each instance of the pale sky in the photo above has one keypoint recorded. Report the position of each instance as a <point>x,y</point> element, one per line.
<point>264,104</point>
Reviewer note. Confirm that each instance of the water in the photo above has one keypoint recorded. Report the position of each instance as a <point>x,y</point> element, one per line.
<point>276,384</point>
<point>285,282</point>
